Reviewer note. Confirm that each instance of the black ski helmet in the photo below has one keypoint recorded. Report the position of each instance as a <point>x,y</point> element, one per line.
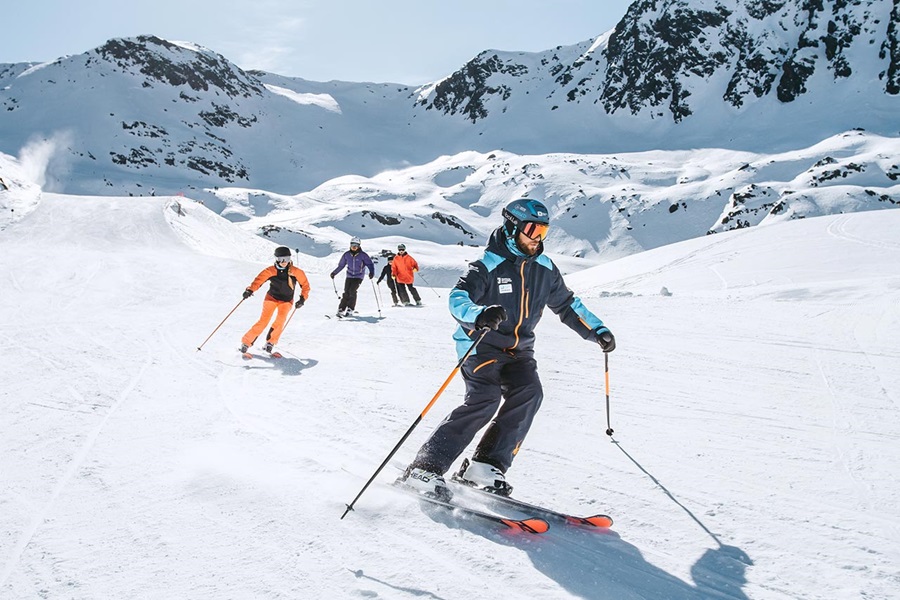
<point>282,252</point>
<point>521,211</point>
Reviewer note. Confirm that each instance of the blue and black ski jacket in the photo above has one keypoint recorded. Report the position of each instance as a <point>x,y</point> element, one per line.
<point>523,285</point>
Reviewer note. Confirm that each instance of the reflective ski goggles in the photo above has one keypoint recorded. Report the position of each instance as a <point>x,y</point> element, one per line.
<point>282,259</point>
<point>535,231</point>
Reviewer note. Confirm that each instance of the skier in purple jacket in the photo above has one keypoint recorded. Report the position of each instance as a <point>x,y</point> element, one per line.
<point>356,261</point>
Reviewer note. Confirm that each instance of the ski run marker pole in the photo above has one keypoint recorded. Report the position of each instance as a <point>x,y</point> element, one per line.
<point>417,421</point>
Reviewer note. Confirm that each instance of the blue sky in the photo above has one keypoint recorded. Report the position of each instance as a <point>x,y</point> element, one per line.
<point>402,41</point>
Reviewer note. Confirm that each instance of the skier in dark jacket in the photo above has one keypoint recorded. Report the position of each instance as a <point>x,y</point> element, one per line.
<point>392,285</point>
<point>505,292</point>
<point>356,261</point>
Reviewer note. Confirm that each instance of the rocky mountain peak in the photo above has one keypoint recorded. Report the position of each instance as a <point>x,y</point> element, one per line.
<point>665,58</point>
<point>662,49</point>
<point>465,90</point>
<point>164,62</point>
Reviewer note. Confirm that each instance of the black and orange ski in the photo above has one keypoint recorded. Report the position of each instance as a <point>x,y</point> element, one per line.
<point>529,525</point>
<point>600,521</point>
<point>248,356</point>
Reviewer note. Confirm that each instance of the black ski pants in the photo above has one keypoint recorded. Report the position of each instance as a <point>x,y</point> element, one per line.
<point>348,300</point>
<point>392,285</point>
<point>490,379</point>
<point>404,297</point>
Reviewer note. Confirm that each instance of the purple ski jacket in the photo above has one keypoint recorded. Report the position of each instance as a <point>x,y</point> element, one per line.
<point>356,265</point>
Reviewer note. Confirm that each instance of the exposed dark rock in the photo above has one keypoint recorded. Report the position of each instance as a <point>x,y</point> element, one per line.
<point>890,49</point>
<point>466,91</point>
<point>222,115</point>
<point>452,222</point>
<point>383,219</point>
<point>201,71</point>
<point>649,58</point>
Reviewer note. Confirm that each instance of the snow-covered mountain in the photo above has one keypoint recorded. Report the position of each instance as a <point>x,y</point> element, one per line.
<point>602,206</point>
<point>145,114</point>
<point>792,50</point>
<point>740,74</point>
<point>750,75</point>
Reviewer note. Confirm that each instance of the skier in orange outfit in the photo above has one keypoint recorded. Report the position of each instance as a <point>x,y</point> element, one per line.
<point>404,269</point>
<point>283,278</point>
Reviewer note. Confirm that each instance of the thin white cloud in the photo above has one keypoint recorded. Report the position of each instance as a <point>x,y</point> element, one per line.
<point>268,37</point>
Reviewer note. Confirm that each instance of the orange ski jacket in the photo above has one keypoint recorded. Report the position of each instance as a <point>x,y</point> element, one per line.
<point>403,268</point>
<point>282,283</point>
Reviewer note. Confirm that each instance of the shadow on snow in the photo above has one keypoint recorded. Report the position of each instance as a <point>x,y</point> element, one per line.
<point>599,564</point>
<point>288,365</point>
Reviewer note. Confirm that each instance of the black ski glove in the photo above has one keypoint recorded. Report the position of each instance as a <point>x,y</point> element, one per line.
<point>332,275</point>
<point>491,317</point>
<point>247,293</point>
<point>606,339</point>
<point>299,302</point>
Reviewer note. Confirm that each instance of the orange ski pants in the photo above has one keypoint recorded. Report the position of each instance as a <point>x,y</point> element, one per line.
<point>270,305</point>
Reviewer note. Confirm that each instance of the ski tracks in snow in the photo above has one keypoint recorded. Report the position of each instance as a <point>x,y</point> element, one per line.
<point>77,461</point>
<point>840,228</point>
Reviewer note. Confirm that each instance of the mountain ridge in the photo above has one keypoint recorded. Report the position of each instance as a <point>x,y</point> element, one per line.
<point>146,112</point>
<point>634,131</point>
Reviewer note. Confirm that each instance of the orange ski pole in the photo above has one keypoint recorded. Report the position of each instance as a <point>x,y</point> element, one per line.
<point>288,322</point>
<point>417,421</point>
<point>200,347</point>
<point>609,429</point>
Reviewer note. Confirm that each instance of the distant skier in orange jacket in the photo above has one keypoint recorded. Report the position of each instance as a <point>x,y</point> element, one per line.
<point>283,278</point>
<point>404,269</point>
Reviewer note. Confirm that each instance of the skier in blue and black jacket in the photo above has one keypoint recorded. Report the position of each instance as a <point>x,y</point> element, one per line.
<point>505,292</point>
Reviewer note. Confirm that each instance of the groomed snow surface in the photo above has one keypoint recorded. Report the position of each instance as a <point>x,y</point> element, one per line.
<point>755,408</point>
